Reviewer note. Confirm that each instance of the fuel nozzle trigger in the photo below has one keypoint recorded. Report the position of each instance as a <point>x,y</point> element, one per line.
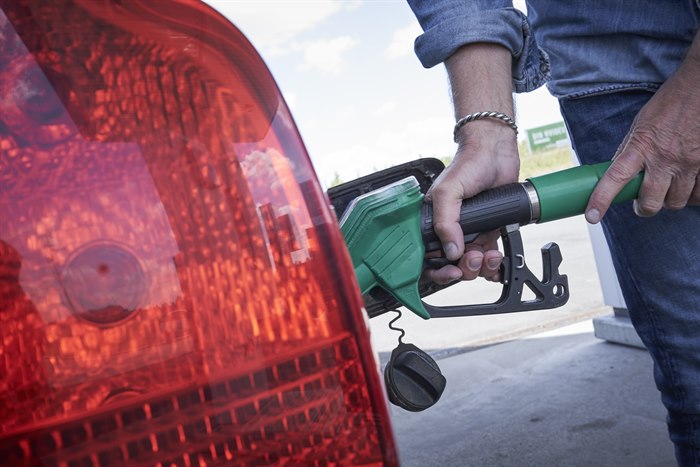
<point>550,292</point>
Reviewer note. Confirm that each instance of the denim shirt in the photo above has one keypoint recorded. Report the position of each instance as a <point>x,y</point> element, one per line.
<point>577,48</point>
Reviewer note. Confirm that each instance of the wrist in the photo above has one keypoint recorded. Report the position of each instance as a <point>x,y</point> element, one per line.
<point>485,134</point>
<point>480,79</point>
<point>498,153</point>
<point>485,115</point>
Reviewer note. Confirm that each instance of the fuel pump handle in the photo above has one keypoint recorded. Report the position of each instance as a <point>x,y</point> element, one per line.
<point>388,231</point>
<point>539,199</point>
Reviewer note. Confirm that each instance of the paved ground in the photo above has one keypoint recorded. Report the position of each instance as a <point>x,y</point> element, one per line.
<point>562,398</point>
<point>518,396</point>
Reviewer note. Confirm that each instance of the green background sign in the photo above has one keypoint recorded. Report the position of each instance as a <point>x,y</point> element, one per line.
<point>545,137</point>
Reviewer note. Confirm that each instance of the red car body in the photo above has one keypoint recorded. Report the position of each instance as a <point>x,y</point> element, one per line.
<point>174,288</point>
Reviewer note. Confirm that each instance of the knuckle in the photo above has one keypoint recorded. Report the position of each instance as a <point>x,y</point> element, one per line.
<point>445,191</point>
<point>618,173</point>
<point>647,139</point>
<point>438,191</point>
<point>438,276</point>
<point>442,228</point>
<point>440,280</point>
<point>432,275</point>
<point>672,152</point>
<point>674,205</point>
<point>649,207</point>
<point>468,275</point>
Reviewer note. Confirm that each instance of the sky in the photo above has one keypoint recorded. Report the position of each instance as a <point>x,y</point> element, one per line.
<point>358,94</point>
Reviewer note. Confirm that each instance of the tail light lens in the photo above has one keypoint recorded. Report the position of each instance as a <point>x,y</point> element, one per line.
<point>173,287</point>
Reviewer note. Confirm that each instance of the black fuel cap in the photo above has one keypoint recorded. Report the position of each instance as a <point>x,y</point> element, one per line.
<point>413,379</point>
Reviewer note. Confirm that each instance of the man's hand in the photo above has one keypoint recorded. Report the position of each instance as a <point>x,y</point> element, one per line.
<point>482,162</point>
<point>664,141</point>
<point>487,156</point>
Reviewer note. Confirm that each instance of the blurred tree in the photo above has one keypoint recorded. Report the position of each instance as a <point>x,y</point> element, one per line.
<point>336,180</point>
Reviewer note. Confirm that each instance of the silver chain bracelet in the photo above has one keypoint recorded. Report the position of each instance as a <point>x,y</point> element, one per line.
<point>488,114</point>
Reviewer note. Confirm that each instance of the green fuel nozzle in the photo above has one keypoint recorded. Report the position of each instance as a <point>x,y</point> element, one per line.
<point>382,231</point>
<point>389,230</point>
<point>565,193</point>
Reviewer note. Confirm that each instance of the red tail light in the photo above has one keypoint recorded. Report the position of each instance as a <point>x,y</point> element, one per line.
<point>173,287</point>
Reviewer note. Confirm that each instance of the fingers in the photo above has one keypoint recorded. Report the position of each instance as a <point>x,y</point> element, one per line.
<point>477,262</point>
<point>680,192</point>
<point>474,264</point>
<point>652,194</point>
<point>663,186</point>
<point>624,168</point>
<point>481,259</point>
<point>444,275</point>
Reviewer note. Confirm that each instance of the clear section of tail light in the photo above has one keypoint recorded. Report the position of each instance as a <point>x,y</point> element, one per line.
<point>173,287</point>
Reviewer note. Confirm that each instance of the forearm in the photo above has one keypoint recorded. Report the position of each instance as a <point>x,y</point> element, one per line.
<point>480,80</point>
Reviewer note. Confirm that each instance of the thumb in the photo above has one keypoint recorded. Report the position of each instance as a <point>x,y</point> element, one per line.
<point>447,194</point>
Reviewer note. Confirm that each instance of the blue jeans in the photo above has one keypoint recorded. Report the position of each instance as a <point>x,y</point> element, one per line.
<point>657,261</point>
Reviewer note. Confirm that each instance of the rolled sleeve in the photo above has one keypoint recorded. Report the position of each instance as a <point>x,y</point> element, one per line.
<point>450,24</point>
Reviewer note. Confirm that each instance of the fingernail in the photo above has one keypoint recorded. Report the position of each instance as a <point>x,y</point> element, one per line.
<point>635,207</point>
<point>451,251</point>
<point>474,264</point>
<point>494,263</point>
<point>454,275</point>
<point>593,216</point>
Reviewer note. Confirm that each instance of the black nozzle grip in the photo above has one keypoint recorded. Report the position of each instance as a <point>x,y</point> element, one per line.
<point>489,210</point>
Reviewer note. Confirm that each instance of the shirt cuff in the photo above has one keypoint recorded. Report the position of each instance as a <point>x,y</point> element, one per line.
<point>506,26</point>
